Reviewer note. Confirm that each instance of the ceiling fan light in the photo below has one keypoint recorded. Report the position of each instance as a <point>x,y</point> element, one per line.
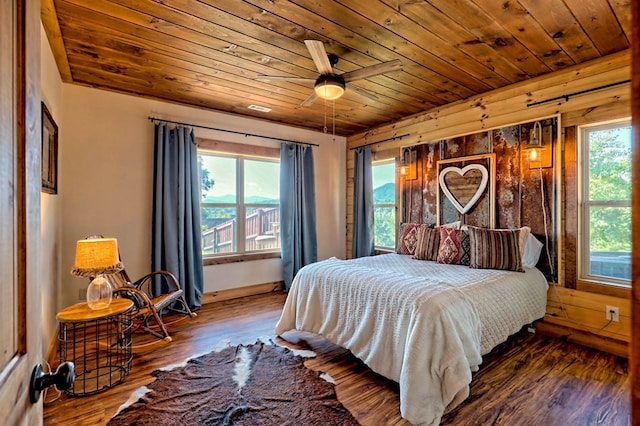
<point>329,86</point>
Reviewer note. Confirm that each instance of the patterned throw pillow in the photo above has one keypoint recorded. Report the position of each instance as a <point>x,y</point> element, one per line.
<point>454,247</point>
<point>428,244</point>
<point>495,249</point>
<point>465,243</point>
<point>408,237</point>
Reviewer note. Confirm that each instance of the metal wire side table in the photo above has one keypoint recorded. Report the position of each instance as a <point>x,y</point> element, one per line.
<point>98,342</point>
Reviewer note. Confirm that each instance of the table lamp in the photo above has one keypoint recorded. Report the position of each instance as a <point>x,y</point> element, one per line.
<point>94,258</point>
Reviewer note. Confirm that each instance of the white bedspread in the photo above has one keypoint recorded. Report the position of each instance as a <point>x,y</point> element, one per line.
<point>422,324</point>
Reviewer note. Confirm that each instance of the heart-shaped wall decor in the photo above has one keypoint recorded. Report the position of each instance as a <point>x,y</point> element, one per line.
<point>463,187</point>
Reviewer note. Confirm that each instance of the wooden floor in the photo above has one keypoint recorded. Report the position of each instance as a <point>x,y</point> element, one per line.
<point>530,380</point>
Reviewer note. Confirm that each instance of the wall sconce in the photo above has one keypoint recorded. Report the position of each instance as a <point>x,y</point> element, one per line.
<point>409,163</point>
<point>539,154</point>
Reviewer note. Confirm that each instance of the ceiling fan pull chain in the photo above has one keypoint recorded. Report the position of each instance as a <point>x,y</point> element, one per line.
<point>325,116</point>
<point>334,120</point>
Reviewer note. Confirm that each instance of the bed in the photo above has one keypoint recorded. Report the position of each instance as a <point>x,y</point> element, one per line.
<point>438,318</point>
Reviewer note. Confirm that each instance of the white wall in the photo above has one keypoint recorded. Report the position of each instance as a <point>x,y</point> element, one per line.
<point>50,217</point>
<point>105,180</point>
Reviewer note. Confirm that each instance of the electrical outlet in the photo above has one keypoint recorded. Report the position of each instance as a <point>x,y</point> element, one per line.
<point>613,313</point>
<point>82,294</point>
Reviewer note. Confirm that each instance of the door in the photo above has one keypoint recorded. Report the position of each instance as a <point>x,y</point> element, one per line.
<point>20,347</point>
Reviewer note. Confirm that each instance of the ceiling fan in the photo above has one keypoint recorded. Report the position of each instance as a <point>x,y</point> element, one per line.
<point>329,85</point>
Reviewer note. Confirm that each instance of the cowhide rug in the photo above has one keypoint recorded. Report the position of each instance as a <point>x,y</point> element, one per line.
<point>257,384</point>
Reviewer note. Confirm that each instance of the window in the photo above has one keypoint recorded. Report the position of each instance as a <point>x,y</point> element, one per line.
<point>605,208</point>
<point>384,203</point>
<point>240,208</point>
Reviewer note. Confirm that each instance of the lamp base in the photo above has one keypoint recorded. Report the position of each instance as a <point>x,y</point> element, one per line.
<point>99,293</point>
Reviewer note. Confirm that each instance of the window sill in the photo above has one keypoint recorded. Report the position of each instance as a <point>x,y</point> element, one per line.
<point>234,258</point>
<point>609,289</point>
<point>383,251</point>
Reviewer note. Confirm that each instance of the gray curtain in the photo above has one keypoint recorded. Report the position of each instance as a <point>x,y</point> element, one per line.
<point>299,245</point>
<point>176,244</point>
<point>363,231</point>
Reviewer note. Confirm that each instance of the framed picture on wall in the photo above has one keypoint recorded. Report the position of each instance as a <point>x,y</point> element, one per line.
<point>49,152</point>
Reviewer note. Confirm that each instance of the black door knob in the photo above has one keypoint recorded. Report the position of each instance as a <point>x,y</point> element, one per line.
<point>63,379</point>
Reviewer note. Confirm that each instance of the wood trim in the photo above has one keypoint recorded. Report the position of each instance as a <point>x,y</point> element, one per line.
<point>380,251</point>
<point>52,350</point>
<point>238,148</point>
<point>384,154</point>
<point>606,289</point>
<point>560,202</point>
<point>570,205</point>
<point>610,111</point>
<point>54,35</point>
<point>234,293</point>
<point>634,366</point>
<point>24,135</point>
<point>234,258</point>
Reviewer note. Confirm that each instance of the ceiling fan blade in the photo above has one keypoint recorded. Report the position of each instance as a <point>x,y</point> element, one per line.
<point>363,92</point>
<point>319,56</point>
<point>372,70</point>
<point>310,100</point>
<point>261,77</point>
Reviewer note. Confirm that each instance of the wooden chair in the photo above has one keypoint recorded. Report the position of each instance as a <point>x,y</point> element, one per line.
<point>150,306</point>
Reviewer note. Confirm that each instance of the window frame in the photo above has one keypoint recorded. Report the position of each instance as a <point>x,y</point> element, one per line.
<point>585,205</point>
<point>240,152</point>
<point>381,162</point>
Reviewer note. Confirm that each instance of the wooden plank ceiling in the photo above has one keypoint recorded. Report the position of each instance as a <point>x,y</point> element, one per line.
<point>208,53</point>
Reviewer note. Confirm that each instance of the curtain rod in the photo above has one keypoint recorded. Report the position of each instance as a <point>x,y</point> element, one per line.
<point>582,92</point>
<point>231,131</point>
<point>383,140</point>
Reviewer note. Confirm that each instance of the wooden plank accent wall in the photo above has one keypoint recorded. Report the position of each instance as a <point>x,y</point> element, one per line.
<point>506,107</point>
<point>518,188</point>
<point>579,316</point>
<point>586,311</point>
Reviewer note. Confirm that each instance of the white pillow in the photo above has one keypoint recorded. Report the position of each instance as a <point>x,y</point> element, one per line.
<point>532,250</point>
<point>525,231</point>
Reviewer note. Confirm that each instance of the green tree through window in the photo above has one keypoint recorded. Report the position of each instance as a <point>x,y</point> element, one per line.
<point>384,203</point>
<point>606,206</point>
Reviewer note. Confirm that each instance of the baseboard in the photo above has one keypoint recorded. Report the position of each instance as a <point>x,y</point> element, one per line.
<point>584,338</point>
<point>234,293</point>
<point>52,350</point>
